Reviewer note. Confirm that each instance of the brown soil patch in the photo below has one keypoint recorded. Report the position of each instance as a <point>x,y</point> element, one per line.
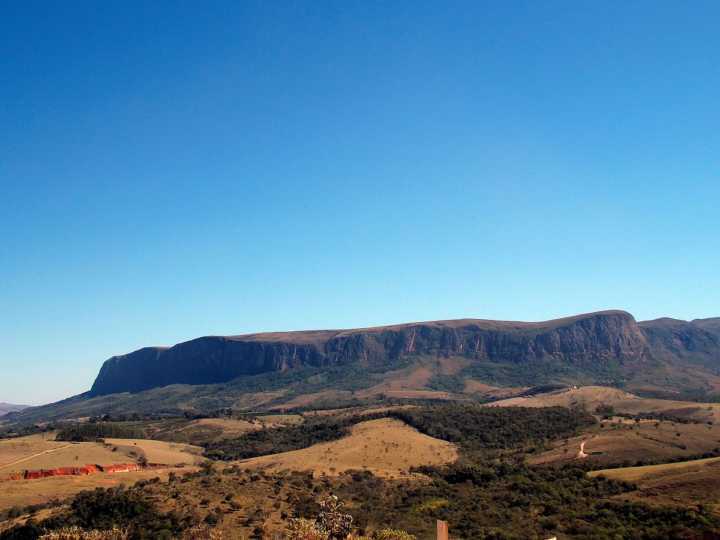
<point>306,400</point>
<point>473,386</point>
<point>399,381</point>
<point>452,365</point>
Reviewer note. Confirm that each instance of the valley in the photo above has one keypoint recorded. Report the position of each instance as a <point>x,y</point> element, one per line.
<point>481,468</point>
<point>299,270</point>
<point>467,359</point>
<point>585,427</point>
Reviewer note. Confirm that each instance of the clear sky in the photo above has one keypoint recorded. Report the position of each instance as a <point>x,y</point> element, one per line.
<point>176,169</point>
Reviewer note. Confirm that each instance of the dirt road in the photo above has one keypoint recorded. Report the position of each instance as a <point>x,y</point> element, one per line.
<point>34,456</point>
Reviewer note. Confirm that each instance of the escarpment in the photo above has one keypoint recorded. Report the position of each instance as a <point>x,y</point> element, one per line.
<point>580,340</point>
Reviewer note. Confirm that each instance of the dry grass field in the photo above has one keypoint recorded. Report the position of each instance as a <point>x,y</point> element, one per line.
<point>22,493</point>
<point>167,453</point>
<point>585,396</point>
<point>36,452</point>
<point>357,411</point>
<point>400,381</point>
<point>385,447</point>
<point>471,386</point>
<point>412,382</point>
<point>687,483</point>
<point>590,397</point>
<point>666,470</point>
<point>205,430</point>
<point>43,452</point>
<point>23,448</point>
<point>615,442</point>
<point>306,400</point>
<point>277,420</point>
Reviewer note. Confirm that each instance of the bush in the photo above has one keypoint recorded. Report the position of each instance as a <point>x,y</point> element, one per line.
<point>105,510</point>
<point>76,533</point>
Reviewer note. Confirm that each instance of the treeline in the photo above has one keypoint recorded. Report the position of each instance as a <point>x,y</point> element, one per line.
<point>474,427</point>
<point>283,439</point>
<point>104,509</point>
<point>13,432</point>
<point>471,426</point>
<point>715,452</point>
<point>663,416</point>
<point>488,499</point>
<point>99,430</point>
<point>503,500</point>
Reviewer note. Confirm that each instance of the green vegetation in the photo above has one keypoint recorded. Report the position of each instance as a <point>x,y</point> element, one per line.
<point>506,500</point>
<point>662,416</point>
<point>493,428</point>
<point>92,431</point>
<point>189,400</point>
<point>533,373</point>
<point>283,439</point>
<point>472,426</point>
<point>106,509</point>
<point>489,493</point>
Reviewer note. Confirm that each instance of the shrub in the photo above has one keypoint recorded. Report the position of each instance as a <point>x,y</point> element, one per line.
<point>304,529</point>
<point>332,521</point>
<point>76,533</point>
<point>202,532</point>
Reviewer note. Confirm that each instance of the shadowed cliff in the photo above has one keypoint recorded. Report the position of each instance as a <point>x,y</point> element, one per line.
<point>581,340</point>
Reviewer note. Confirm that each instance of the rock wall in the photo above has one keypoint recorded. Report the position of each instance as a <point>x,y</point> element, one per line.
<point>595,337</point>
<point>83,471</point>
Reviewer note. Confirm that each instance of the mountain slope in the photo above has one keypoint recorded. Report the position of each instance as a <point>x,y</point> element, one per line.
<point>459,359</point>
<point>582,340</point>
<point>6,408</point>
<point>695,341</point>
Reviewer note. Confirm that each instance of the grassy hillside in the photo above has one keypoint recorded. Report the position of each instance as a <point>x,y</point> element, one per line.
<point>384,447</point>
<point>489,492</point>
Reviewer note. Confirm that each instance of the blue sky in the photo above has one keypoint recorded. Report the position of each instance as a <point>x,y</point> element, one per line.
<point>177,169</point>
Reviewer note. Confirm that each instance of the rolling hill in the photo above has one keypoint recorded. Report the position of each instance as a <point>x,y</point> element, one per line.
<point>6,408</point>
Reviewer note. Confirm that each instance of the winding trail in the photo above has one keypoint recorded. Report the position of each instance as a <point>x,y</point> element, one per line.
<point>581,454</point>
<point>34,456</point>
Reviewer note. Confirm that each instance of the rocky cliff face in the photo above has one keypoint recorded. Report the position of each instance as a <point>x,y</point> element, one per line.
<point>596,337</point>
<point>695,341</point>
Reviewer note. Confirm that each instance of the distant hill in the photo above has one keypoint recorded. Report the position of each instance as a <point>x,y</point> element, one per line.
<point>9,407</point>
<point>455,359</point>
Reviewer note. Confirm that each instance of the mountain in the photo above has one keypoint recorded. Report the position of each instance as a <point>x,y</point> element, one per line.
<point>456,359</point>
<point>6,408</point>
<point>697,340</point>
<point>584,339</point>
